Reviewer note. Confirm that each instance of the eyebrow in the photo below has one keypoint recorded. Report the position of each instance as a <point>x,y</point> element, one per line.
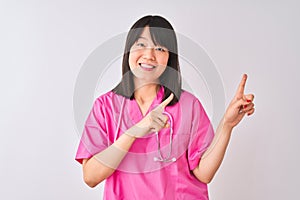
<point>142,38</point>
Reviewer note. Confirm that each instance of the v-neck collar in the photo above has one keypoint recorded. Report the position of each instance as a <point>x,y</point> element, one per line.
<point>135,111</point>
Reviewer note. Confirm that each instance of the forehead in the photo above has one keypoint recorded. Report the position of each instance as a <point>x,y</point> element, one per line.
<point>145,34</point>
<point>154,36</point>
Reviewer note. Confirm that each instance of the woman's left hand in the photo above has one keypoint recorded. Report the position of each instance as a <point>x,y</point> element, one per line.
<point>240,105</point>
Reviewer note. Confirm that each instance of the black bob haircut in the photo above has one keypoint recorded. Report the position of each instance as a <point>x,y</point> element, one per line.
<point>162,33</point>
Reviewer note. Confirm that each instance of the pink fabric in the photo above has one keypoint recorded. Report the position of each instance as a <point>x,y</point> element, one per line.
<point>139,176</point>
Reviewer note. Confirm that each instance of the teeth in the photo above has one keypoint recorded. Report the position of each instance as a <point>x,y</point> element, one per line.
<point>146,66</point>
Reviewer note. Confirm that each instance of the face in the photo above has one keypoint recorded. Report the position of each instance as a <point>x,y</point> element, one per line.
<point>147,61</point>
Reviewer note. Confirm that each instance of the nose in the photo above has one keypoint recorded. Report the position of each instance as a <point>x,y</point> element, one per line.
<point>149,53</point>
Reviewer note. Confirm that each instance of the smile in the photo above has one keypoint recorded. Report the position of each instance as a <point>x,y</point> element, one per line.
<point>146,66</point>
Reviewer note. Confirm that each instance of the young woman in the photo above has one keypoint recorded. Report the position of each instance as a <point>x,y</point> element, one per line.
<point>148,138</point>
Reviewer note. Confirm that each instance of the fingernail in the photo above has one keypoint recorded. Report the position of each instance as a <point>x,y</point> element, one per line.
<point>248,100</point>
<point>245,106</point>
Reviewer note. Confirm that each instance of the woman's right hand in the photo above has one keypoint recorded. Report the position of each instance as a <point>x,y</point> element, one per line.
<point>152,122</point>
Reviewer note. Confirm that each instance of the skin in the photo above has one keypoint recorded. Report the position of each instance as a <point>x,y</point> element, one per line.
<point>240,105</point>
<point>145,52</point>
<point>146,83</point>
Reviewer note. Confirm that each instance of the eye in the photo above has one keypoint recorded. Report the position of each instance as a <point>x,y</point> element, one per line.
<point>162,49</point>
<point>140,44</point>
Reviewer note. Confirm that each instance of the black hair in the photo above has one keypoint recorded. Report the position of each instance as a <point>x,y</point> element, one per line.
<point>162,33</point>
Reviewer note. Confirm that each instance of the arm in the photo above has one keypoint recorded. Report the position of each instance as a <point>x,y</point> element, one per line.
<point>94,169</point>
<point>102,165</point>
<point>212,158</point>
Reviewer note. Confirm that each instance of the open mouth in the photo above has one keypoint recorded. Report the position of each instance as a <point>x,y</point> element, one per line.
<point>146,66</point>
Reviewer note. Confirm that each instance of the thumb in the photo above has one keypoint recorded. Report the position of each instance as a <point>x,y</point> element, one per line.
<point>166,101</point>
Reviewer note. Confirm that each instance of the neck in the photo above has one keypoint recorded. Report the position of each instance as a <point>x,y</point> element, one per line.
<point>146,93</point>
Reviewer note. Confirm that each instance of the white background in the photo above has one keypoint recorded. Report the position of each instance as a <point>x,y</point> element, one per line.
<point>43,45</point>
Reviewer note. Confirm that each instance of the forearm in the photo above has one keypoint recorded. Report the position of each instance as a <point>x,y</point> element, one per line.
<point>211,160</point>
<point>103,164</point>
<point>213,157</point>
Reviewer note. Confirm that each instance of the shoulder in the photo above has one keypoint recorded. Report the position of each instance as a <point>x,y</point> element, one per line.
<point>108,99</point>
<point>187,96</point>
<point>188,99</point>
<point>106,96</point>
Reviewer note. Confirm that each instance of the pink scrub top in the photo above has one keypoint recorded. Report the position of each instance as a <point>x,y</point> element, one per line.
<point>138,176</point>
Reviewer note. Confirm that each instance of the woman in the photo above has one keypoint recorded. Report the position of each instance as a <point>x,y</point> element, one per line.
<point>148,138</point>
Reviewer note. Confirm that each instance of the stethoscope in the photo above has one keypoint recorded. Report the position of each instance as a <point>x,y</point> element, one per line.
<point>160,157</point>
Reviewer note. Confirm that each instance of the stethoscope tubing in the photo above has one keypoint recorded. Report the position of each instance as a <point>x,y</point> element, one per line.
<point>160,156</point>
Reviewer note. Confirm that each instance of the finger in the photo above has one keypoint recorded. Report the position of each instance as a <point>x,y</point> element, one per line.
<point>240,103</point>
<point>167,125</point>
<point>164,118</point>
<point>250,112</point>
<point>248,107</point>
<point>244,105</point>
<point>156,116</point>
<point>241,88</point>
<point>159,121</point>
<point>167,101</point>
<point>156,127</point>
<point>249,97</point>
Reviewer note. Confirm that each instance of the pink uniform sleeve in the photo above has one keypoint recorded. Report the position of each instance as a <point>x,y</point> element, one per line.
<point>201,135</point>
<point>94,136</point>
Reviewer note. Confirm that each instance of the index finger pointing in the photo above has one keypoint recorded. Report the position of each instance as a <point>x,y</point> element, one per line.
<point>167,101</point>
<point>241,88</point>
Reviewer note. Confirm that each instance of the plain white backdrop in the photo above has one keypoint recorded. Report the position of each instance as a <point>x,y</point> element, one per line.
<point>43,45</point>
